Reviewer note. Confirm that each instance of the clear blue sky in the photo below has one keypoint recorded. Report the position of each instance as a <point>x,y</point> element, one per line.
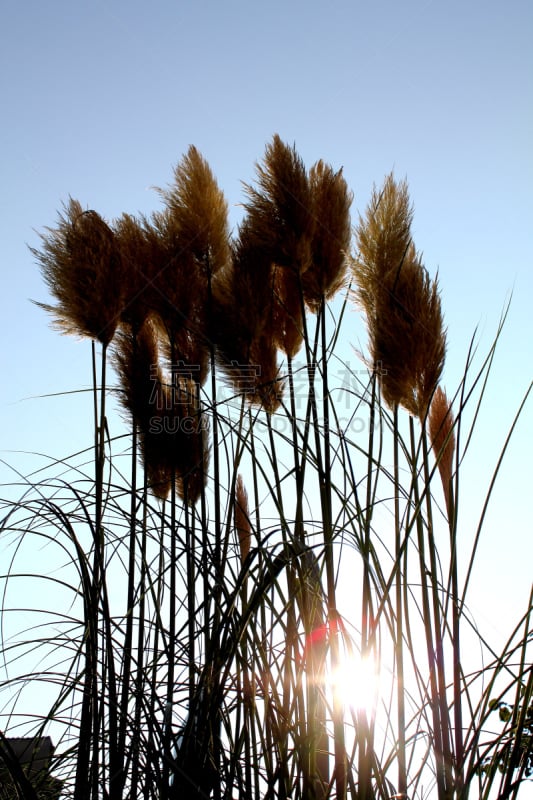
<point>100,100</point>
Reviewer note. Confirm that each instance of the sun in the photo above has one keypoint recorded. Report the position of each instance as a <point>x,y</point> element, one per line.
<point>355,683</point>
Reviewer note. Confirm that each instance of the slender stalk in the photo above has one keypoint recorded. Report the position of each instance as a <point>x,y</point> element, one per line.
<point>88,760</point>
<point>400,578</point>
<point>153,776</point>
<point>367,621</point>
<point>128,634</point>
<point>212,635</point>
<point>325,479</point>
<point>299,466</point>
<point>135,769</point>
<point>456,645</point>
<point>439,622</point>
<point>247,689</point>
<point>191,597</point>
<point>171,657</point>
<point>262,610</point>
<point>428,628</point>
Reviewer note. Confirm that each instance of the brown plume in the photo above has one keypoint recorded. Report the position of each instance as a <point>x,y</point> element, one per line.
<point>240,324</point>
<point>178,299</point>
<point>243,525</point>
<point>197,213</point>
<point>278,229</point>
<point>139,259</point>
<point>81,265</point>
<point>193,460</point>
<point>331,235</point>
<point>172,430</point>
<point>441,432</point>
<point>401,303</point>
<point>143,395</point>
<point>280,209</point>
<point>286,310</point>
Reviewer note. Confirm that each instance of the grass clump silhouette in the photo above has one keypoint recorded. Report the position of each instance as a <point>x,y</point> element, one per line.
<point>258,544</point>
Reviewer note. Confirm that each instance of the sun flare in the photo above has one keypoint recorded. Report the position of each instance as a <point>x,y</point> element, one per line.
<point>355,682</point>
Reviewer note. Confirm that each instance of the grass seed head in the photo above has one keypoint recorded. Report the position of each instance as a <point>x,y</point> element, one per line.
<point>197,213</point>
<point>243,525</point>
<point>401,303</point>
<point>442,437</point>
<point>280,209</point>
<point>139,260</point>
<point>81,264</point>
<point>331,235</point>
<point>241,326</point>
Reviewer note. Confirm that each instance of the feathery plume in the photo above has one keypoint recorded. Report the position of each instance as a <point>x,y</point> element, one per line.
<point>257,297</point>
<point>172,430</point>
<point>442,437</point>
<point>179,249</point>
<point>178,299</point>
<point>138,259</point>
<point>279,225</point>
<point>286,310</point>
<point>401,303</point>
<point>243,526</point>
<point>409,342</point>
<point>197,213</point>
<point>82,267</point>
<point>383,239</point>
<point>246,352</point>
<point>175,443</point>
<point>331,235</point>
<point>158,472</point>
<point>192,461</point>
<point>136,359</point>
<point>280,211</point>
<point>265,387</point>
<point>144,397</point>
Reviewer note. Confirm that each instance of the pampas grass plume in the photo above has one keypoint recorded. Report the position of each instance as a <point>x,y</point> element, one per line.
<point>241,324</point>
<point>82,267</point>
<point>242,518</point>
<point>138,257</point>
<point>442,437</point>
<point>197,213</point>
<point>280,209</point>
<point>401,303</point>
<point>331,235</point>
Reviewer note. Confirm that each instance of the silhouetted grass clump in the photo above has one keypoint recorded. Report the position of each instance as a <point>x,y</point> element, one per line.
<point>223,573</point>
